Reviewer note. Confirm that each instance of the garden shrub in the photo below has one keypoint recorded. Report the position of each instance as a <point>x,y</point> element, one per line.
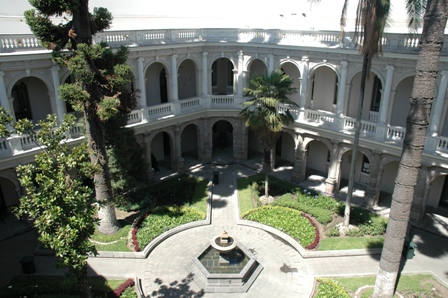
<point>324,216</point>
<point>118,292</point>
<point>333,232</point>
<point>162,219</point>
<point>284,219</point>
<point>329,288</point>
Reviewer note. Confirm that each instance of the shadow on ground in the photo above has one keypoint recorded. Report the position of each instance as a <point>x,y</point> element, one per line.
<point>176,288</point>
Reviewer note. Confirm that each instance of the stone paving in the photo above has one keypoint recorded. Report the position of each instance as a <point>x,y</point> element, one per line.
<point>286,273</point>
<point>167,269</point>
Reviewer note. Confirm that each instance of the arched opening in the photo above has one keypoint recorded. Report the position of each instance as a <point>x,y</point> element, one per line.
<point>317,159</point>
<point>222,140</point>
<point>186,80</point>
<point>401,103</point>
<point>31,99</point>
<point>161,149</point>
<point>189,144</point>
<point>8,195</point>
<point>163,86</point>
<point>362,171</point>
<point>222,77</point>
<point>284,151</point>
<point>292,71</point>
<point>324,89</point>
<point>372,97</point>
<point>257,67</point>
<point>156,84</point>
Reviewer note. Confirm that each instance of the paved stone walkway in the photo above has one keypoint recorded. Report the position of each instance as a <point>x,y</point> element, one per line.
<point>167,271</point>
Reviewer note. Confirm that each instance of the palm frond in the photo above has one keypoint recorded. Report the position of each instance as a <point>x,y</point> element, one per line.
<point>415,10</point>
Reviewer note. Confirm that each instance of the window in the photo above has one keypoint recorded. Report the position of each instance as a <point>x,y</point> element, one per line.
<point>365,165</point>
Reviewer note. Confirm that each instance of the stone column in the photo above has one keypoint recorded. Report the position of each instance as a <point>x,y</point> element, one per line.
<point>240,75</point>
<point>303,88</point>
<point>331,183</point>
<point>271,63</point>
<point>385,102</point>
<point>141,83</point>
<point>178,160</point>
<point>437,110</point>
<point>60,111</point>
<point>174,90</point>
<point>147,151</point>
<point>204,75</point>
<point>299,168</point>
<point>342,85</point>
<point>4,96</point>
<point>438,107</point>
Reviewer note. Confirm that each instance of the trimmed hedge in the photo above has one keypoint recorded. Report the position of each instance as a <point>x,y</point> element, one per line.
<point>288,220</point>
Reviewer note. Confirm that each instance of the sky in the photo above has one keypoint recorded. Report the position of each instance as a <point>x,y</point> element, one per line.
<point>179,14</point>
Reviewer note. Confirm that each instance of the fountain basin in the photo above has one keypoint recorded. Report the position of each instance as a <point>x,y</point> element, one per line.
<point>225,271</point>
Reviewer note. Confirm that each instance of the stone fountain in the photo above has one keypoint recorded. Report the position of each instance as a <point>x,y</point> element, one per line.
<point>225,266</point>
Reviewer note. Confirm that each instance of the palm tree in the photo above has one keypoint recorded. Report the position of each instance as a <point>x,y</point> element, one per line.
<point>431,42</point>
<point>371,19</point>
<point>261,111</point>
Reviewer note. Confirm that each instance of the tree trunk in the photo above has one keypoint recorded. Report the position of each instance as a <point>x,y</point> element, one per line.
<point>266,167</point>
<point>102,179</point>
<point>81,23</point>
<point>351,179</point>
<point>83,286</point>
<point>431,43</point>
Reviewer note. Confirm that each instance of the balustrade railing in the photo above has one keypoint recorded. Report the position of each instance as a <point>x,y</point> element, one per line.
<point>442,144</point>
<point>391,42</point>
<point>395,134</point>
<point>319,117</point>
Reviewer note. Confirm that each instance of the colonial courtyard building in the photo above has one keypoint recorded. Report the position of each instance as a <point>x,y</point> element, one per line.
<point>191,84</point>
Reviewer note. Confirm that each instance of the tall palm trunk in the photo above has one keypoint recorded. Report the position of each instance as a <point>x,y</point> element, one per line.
<point>351,180</point>
<point>431,43</point>
<point>267,168</point>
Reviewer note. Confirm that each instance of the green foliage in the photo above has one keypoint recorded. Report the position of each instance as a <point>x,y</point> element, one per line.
<point>322,215</point>
<point>54,287</point>
<point>329,288</point>
<point>162,219</point>
<point>129,293</point>
<point>181,191</point>
<point>367,223</point>
<point>333,232</point>
<point>284,219</point>
<point>57,200</point>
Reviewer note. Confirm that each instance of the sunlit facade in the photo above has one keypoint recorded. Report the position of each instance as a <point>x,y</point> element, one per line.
<point>191,84</point>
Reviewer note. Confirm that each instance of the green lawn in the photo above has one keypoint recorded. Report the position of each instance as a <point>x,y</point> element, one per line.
<point>338,243</point>
<point>414,285</point>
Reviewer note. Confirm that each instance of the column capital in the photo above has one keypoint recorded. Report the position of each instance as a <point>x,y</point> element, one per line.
<point>140,59</point>
<point>344,64</point>
<point>204,54</point>
<point>390,67</point>
<point>174,56</point>
<point>444,73</point>
<point>2,73</point>
<point>305,59</point>
<point>55,68</point>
